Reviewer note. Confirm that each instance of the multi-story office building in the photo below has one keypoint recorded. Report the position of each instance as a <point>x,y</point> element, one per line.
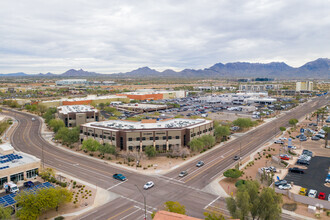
<point>67,82</point>
<point>75,115</point>
<point>304,86</point>
<point>259,87</point>
<point>131,135</point>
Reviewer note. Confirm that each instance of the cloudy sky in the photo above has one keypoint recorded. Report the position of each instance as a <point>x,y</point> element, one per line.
<point>108,36</point>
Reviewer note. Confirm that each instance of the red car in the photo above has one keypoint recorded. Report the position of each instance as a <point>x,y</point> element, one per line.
<point>322,196</point>
<point>284,157</point>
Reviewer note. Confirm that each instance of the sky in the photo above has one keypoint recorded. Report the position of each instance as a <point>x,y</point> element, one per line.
<point>108,36</point>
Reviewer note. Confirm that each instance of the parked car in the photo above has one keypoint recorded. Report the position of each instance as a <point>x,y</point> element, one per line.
<point>285,157</point>
<point>321,195</point>
<point>307,152</point>
<point>312,193</point>
<point>292,147</point>
<point>312,124</point>
<point>327,179</point>
<point>280,182</point>
<point>315,138</point>
<point>296,170</point>
<point>320,135</point>
<point>303,191</point>
<point>199,164</point>
<point>303,138</point>
<point>236,157</point>
<point>285,186</point>
<point>119,176</point>
<point>279,142</point>
<point>304,157</point>
<point>303,162</point>
<point>329,198</point>
<point>148,185</point>
<point>282,138</point>
<point>28,184</point>
<point>183,173</point>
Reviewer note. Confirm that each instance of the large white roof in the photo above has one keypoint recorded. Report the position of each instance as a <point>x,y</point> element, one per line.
<point>76,109</point>
<point>172,123</point>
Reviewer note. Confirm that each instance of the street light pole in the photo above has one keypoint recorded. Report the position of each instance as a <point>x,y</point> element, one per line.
<point>145,203</point>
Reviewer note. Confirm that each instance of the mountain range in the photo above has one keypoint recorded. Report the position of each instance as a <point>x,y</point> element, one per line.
<point>319,68</point>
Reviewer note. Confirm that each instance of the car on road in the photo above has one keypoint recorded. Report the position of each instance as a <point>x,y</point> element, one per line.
<point>28,184</point>
<point>296,170</point>
<point>321,196</point>
<point>119,176</point>
<point>148,185</point>
<point>280,182</point>
<point>285,157</point>
<point>183,173</point>
<point>315,138</point>
<point>33,119</point>
<point>279,142</point>
<point>285,186</point>
<point>312,193</point>
<point>327,179</point>
<point>236,157</point>
<point>199,164</point>
<point>303,191</point>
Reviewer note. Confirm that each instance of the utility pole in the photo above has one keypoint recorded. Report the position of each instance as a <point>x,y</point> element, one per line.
<point>145,203</point>
<point>42,157</point>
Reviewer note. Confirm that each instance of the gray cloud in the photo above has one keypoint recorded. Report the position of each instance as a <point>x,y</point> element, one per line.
<point>117,36</point>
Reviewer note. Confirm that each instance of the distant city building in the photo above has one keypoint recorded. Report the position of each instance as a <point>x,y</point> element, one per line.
<point>150,94</point>
<point>140,107</point>
<point>67,82</point>
<point>75,115</point>
<point>135,136</point>
<point>304,86</point>
<point>213,88</point>
<point>258,87</point>
<point>16,166</point>
<point>239,98</point>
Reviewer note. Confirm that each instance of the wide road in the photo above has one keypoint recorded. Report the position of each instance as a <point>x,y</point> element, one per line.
<point>129,204</point>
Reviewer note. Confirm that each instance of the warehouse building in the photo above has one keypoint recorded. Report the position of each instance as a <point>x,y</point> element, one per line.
<point>132,135</point>
<point>75,115</point>
<point>16,166</point>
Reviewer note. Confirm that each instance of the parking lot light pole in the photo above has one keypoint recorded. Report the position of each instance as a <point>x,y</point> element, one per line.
<point>145,203</point>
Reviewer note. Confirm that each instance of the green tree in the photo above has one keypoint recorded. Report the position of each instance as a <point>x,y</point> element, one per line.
<point>56,124</point>
<point>220,132</point>
<point>107,148</point>
<point>196,145</point>
<point>282,129</point>
<point>175,207</point>
<point>242,200</point>
<point>269,205</point>
<point>5,213</point>
<point>244,122</point>
<point>68,136</point>
<point>150,151</point>
<point>213,216</point>
<point>208,140</point>
<point>90,144</point>
<point>49,114</point>
<point>232,173</point>
<point>327,133</point>
<point>101,105</point>
<point>232,207</point>
<point>293,122</point>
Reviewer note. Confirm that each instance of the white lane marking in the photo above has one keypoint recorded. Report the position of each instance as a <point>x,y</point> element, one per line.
<point>168,178</point>
<point>206,164</point>
<point>115,185</point>
<point>140,203</point>
<point>212,202</point>
<point>138,209</point>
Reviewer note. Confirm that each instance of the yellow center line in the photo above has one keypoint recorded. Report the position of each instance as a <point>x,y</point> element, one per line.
<point>121,213</point>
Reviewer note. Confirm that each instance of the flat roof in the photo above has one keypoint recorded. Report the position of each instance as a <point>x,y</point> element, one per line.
<point>90,97</point>
<point>129,125</point>
<point>6,146</point>
<point>142,106</point>
<point>65,109</point>
<point>16,159</point>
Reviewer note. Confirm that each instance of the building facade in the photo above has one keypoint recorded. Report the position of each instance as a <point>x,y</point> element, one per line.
<point>66,82</point>
<point>258,87</point>
<point>75,115</point>
<point>135,136</point>
<point>304,86</point>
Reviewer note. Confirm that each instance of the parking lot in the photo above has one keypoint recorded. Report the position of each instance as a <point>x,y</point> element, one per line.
<point>314,175</point>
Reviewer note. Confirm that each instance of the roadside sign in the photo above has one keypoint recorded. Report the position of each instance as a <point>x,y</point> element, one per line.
<point>289,141</point>
<point>302,130</point>
<point>277,178</point>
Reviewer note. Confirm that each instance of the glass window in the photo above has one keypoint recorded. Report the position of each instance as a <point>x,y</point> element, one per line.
<point>137,139</point>
<point>169,137</point>
<point>156,138</point>
<point>143,138</point>
<point>151,138</point>
<point>130,139</point>
<point>177,137</point>
<point>164,137</point>
<point>3,180</point>
<point>32,173</point>
<point>17,177</point>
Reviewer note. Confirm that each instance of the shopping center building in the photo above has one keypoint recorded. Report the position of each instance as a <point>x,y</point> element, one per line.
<point>132,135</point>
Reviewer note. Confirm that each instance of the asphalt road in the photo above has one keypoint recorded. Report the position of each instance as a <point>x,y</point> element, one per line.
<point>129,204</point>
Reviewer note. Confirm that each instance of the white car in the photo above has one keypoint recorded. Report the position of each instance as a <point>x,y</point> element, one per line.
<point>282,138</point>
<point>148,185</point>
<point>312,193</point>
<point>285,186</point>
<point>279,142</point>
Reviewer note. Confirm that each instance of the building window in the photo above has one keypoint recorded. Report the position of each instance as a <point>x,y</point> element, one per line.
<point>151,138</point>
<point>130,148</point>
<point>143,147</point>
<point>138,139</point>
<point>164,147</point>
<point>101,136</point>
<point>109,138</point>
<point>92,117</point>
<point>17,177</point>
<point>130,139</point>
<point>164,137</point>
<point>177,137</point>
<point>93,134</point>
<point>192,135</point>
<point>81,131</point>
<point>3,180</point>
<point>156,138</point>
<point>143,138</point>
<point>32,173</point>
<point>169,146</point>
<point>157,147</point>
<point>169,137</point>
<point>85,133</point>
<point>113,138</point>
